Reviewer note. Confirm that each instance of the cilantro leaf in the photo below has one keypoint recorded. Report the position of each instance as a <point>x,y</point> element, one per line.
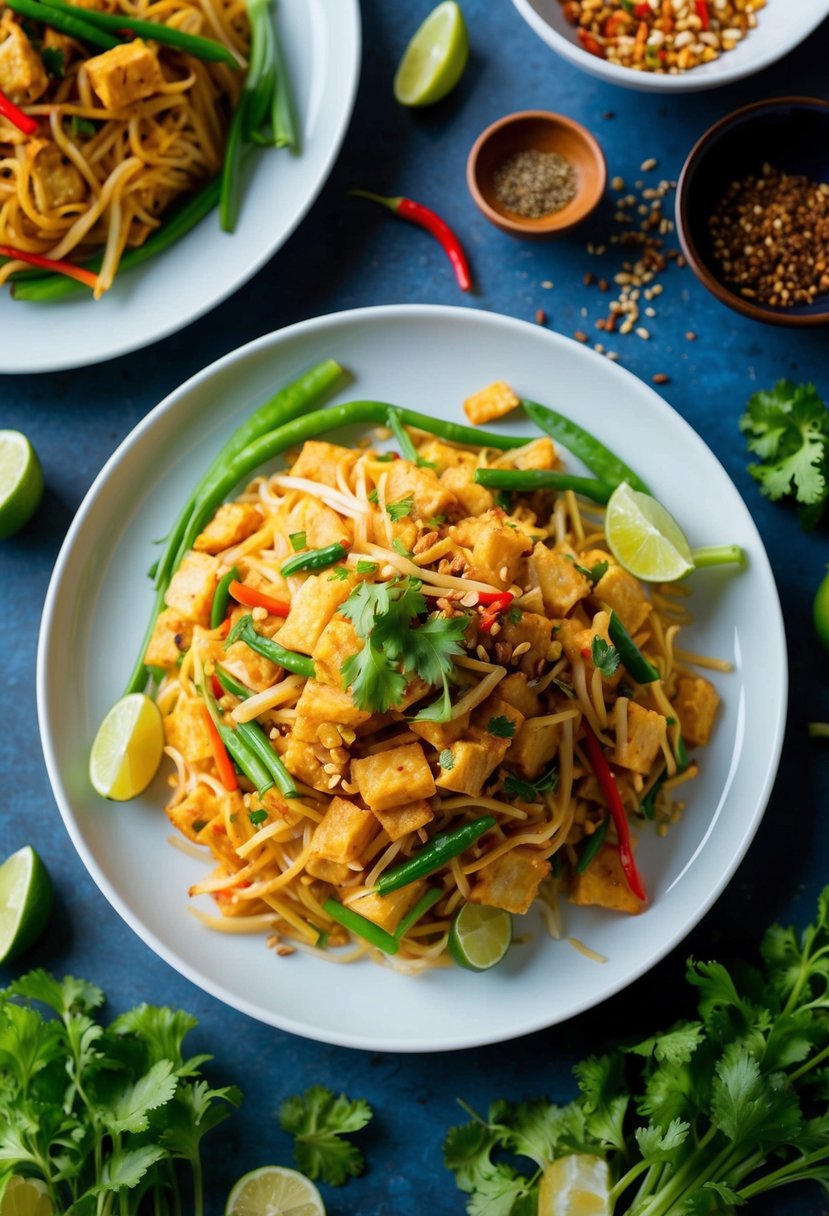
<point>788,428</point>
<point>430,649</point>
<point>446,759</point>
<point>366,602</point>
<point>319,1121</point>
<point>592,573</point>
<point>515,787</point>
<point>500,727</point>
<point>466,1152</point>
<point>375,682</point>
<point>606,658</point>
<point>128,1112</point>
<point>400,509</point>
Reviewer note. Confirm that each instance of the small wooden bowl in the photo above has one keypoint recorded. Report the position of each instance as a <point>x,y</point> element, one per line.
<point>546,132</point>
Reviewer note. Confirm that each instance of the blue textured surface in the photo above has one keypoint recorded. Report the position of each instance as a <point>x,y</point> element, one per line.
<point>347,254</point>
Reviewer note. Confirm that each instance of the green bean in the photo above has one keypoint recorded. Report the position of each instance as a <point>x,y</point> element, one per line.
<point>283,113</point>
<point>246,759</point>
<point>221,598</point>
<point>634,662</point>
<point>355,923</point>
<point>231,176</point>
<point>230,684</point>
<point>528,480</point>
<point>243,631</point>
<point>426,901</point>
<point>591,846</point>
<point>193,44</point>
<point>599,459</point>
<point>259,744</point>
<point>441,848</point>
<point>260,82</point>
<point>57,286</point>
<point>407,448</point>
<point>313,559</point>
<point>69,24</point>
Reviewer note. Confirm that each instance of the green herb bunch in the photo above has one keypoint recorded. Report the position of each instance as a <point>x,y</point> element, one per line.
<point>787,427</point>
<point>109,1117</point>
<point>700,1119</point>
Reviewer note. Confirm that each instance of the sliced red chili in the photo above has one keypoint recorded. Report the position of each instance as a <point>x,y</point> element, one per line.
<point>607,781</point>
<point>16,116</point>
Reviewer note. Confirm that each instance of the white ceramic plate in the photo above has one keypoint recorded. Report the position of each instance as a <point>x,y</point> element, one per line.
<point>780,28</point>
<point>321,45</point>
<point>428,358</point>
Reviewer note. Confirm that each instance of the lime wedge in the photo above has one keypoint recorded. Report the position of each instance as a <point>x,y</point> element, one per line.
<point>644,538</point>
<point>25,1197</point>
<point>274,1190</point>
<point>480,936</point>
<point>577,1185</point>
<point>434,60</point>
<point>127,749</point>
<point>25,902</point>
<point>21,482</point>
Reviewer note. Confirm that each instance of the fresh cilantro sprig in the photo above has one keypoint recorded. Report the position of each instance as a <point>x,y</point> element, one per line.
<point>531,791</point>
<point>787,427</point>
<point>97,1111</point>
<point>319,1123</point>
<point>702,1118</point>
<point>606,658</point>
<point>500,727</point>
<point>594,573</point>
<point>386,616</point>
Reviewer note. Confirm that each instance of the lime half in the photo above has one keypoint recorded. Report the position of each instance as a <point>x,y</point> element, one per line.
<point>25,904</point>
<point>21,482</point>
<point>644,538</point>
<point>274,1190</point>
<point>577,1185</point>
<point>480,936</point>
<point>127,749</point>
<point>25,1197</point>
<point>434,60</point>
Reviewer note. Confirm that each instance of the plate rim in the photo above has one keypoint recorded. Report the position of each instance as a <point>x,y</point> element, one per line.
<point>350,12</point>
<point>47,639</point>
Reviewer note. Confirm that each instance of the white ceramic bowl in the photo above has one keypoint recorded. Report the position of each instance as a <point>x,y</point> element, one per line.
<point>427,358</point>
<point>781,26</point>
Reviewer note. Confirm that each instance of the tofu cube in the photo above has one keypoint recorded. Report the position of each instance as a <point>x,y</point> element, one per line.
<point>532,628</point>
<point>497,552</point>
<point>186,730</point>
<point>301,762</point>
<point>22,75</point>
<point>195,812</point>
<point>442,734</point>
<point>232,523</point>
<point>193,586</point>
<point>474,499</point>
<point>562,585</point>
<point>430,496</point>
<point>696,703</point>
<point>172,636</point>
<point>577,643</point>
<point>334,872</point>
<point>623,593</point>
<point>646,733</point>
<point>55,179</point>
<point>394,777</point>
<point>404,819</point>
<point>603,883</point>
<point>510,882</point>
<point>252,669</point>
<point>534,747</point>
<point>472,762</point>
<point>387,911</point>
<point>540,454</point>
<point>321,525</point>
<point>443,456</point>
<point>319,703</point>
<point>124,74</point>
<point>343,832</point>
<point>318,461</point>
<point>311,609</point>
<point>515,689</point>
<point>494,401</point>
<point>337,642</point>
<point>496,707</point>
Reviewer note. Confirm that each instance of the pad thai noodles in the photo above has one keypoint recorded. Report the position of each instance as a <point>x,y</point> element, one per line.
<point>389,691</point>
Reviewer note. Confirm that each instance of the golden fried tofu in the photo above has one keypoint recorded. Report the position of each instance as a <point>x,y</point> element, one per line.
<point>515,689</point>
<point>394,777</point>
<point>186,730</point>
<point>646,733</point>
<point>401,820</point>
<point>696,703</point>
<point>318,461</point>
<point>55,179</point>
<point>387,911</point>
<point>534,747</point>
<point>319,703</point>
<point>22,75</point>
<point>511,881</point>
<point>334,872</point>
<point>577,642</point>
<point>496,707</point>
<point>125,74</point>
<point>321,525</point>
<point>540,454</point>
<point>193,586</point>
<point>623,593</point>
<point>430,497</point>
<point>442,734</point>
<point>257,672</point>
<point>343,832</point>
<point>311,609</point>
<point>474,499</point>
<point>200,816</point>
<point>603,883</point>
<point>444,456</point>
<point>337,643</point>
<point>562,584</point>
<point>302,762</point>
<point>498,550</point>
<point>531,627</point>
<point>472,761</point>
<point>232,523</point>
<point>171,637</point>
<point>494,401</point>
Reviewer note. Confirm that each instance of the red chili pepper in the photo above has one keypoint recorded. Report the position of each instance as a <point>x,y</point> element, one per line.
<point>591,44</point>
<point>218,691</point>
<point>498,602</point>
<point>224,765</point>
<point>416,213</point>
<point>252,598</point>
<point>642,11</point>
<point>34,259</point>
<point>607,781</point>
<point>16,116</point>
<point>702,13</point>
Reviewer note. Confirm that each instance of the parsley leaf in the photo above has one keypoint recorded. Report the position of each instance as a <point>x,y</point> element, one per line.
<point>787,427</point>
<point>605,657</point>
<point>501,727</point>
<point>319,1123</point>
<point>400,509</point>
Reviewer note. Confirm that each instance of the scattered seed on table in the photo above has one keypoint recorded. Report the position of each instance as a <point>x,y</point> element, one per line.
<point>580,336</point>
<point>690,336</point>
<point>660,378</point>
<point>642,333</point>
<point>540,316</point>
<point>648,164</point>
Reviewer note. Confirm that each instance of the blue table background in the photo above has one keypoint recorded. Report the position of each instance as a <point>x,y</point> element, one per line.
<point>347,254</point>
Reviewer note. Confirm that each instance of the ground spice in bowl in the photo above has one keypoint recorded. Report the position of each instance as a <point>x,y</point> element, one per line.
<point>771,237</point>
<point>532,183</point>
